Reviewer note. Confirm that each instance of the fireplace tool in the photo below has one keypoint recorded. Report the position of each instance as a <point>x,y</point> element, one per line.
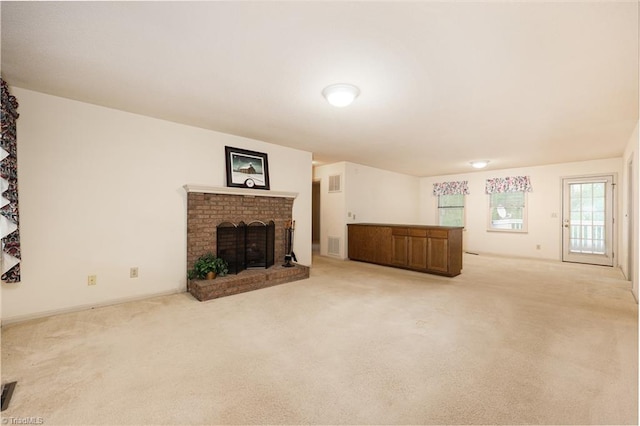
<point>288,244</point>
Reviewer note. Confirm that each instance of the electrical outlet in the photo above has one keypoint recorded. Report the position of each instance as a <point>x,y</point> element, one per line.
<point>92,280</point>
<point>537,246</point>
<point>133,272</point>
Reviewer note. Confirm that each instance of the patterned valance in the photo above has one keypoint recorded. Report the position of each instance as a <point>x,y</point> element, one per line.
<point>451,188</point>
<point>9,189</point>
<point>508,184</point>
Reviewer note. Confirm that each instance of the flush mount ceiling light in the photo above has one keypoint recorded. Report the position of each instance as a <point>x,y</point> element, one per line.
<point>340,95</point>
<point>479,164</point>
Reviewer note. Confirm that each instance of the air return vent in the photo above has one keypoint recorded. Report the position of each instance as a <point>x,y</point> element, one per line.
<point>335,183</point>
<point>333,248</point>
<point>7,393</point>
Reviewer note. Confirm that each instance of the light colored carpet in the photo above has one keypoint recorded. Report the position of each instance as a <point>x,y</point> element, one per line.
<point>509,341</point>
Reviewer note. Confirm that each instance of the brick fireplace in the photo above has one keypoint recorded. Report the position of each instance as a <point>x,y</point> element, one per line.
<point>209,207</point>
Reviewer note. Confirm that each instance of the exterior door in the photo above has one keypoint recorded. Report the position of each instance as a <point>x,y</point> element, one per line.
<point>587,220</point>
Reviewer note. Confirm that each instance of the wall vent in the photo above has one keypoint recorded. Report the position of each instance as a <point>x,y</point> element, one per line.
<point>335,183</point>
<point>333,247</point>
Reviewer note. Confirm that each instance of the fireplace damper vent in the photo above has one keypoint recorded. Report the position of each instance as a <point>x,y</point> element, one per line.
<point>246,246</point>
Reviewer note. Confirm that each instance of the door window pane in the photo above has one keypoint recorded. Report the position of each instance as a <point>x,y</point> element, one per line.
<point>587,227</point>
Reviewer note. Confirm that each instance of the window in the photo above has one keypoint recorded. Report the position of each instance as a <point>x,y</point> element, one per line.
<point>451,202</point>
<point>508,211</point>
<point>451,210</point>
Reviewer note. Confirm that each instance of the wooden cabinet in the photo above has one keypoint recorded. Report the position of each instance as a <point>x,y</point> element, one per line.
<point>418,253</point>
<point>409,247</point>
<point>399,246</point>
<point>437,254</point>
<point>433,249</point>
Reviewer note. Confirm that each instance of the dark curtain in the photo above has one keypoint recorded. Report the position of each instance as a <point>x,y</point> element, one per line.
<point>9,187</point>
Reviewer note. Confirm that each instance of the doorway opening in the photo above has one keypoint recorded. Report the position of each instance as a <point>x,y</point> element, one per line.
<point>315,217</point>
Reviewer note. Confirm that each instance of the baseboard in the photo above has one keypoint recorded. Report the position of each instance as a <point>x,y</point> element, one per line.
<point>511,256</point>
<point>44,314</point>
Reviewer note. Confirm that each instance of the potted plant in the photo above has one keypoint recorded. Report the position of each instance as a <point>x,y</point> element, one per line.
<point>208,266</point>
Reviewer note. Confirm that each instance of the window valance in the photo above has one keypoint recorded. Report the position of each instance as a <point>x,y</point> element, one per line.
<point>508,184</point>
<point>451,188</point>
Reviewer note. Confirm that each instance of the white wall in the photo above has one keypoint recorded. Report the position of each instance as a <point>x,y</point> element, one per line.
<point>368,195</point>
<point>630,223</point>
<point>101,191</point>
<point>544,208</point>
<point>381,196</point>
<point>333,210</point>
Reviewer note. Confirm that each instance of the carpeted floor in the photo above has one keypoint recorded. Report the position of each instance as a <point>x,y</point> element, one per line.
<point>509,341</point>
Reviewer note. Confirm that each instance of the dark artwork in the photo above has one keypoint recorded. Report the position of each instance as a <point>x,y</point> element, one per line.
<point>246,169</point>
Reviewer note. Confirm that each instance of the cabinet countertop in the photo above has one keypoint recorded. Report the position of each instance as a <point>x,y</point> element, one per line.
<point>401,225</point>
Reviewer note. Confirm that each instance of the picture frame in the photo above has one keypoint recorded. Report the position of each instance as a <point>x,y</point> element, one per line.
<point>246,169</point>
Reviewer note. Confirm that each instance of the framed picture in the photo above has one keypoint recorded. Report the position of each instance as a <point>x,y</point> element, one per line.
<point>246,169</point>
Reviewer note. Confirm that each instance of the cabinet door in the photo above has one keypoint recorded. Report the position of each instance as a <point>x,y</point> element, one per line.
<point>438,254</point>
<point>399,250</point>
<point>417,252</point>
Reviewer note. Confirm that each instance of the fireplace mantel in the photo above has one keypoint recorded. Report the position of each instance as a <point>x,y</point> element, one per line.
<point>238,191</point>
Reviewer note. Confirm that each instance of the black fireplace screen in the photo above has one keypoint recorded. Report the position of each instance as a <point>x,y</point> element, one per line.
<point>230,245</point>
<point>246,246</point>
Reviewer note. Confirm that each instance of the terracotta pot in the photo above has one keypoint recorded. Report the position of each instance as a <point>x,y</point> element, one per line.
<point>211,275</point>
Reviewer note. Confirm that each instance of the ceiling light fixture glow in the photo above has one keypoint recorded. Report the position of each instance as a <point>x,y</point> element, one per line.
<point>340,95</point>
<point>480,164</point>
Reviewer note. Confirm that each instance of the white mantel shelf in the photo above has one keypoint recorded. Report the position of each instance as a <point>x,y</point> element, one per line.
<point>238,191</point>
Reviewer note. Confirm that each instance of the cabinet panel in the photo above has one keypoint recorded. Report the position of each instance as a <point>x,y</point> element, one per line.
<point>381,242</point>
<point>368,250</point>
<point>455,251</point>
<point>356,238</point>
<point>418,253</point>
<point>399,250</point>
<point>438,233</point>
<point>370,244</point>
<point>438,255</point>
<point>399,231</point>
<point>417,232</point>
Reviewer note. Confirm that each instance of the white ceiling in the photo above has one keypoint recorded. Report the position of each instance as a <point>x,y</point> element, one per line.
<point>442,83</point>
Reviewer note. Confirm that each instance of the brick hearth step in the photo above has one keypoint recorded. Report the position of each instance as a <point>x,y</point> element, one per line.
<point>248,280</point>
